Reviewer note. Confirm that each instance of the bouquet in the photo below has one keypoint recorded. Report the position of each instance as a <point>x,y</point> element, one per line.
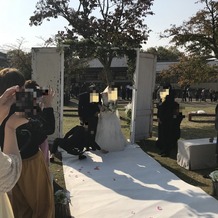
<point>110,106</point>
<point>62,197</point>
<point>128,108</point>
<point>128,111</point>
<point>214,176</point>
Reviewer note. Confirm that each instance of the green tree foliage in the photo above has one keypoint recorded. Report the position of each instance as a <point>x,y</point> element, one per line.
<point>103,26</point>
<point>20,60</point>
<point>165,54</point>
<point>189,70</point>
<point>73,68</point>
<point>199,35</point>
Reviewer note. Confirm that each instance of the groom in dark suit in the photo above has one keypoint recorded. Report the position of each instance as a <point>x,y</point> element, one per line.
<point>88,110</point>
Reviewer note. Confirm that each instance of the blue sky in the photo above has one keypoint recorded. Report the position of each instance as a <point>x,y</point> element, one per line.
<point>15,14</point>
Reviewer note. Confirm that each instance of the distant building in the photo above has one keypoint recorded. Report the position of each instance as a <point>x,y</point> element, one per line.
<point>118,70</point>
<point>160,66</point>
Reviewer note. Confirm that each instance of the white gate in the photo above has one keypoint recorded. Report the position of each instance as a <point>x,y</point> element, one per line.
<point>48,71</point>
<point>142,103</point>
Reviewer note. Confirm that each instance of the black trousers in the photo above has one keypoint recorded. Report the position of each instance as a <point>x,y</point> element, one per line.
<point>68,145</point>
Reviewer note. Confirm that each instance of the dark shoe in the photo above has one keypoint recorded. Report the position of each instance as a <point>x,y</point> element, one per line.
<point>52,160</point>
<point>104,151</point>
<point>81,157</point>
<point>165,155</point>
<point>98,147</point>
<point>161,152</point>
<point>206,176</point>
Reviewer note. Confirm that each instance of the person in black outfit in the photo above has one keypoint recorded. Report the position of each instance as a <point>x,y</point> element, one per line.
<point>169,120</point>
<point>41,95</point>
<point>88,111</point>
<point>184,94</point>
<point>74,142</point>
<point>34,184</point>
<point>123,92</point>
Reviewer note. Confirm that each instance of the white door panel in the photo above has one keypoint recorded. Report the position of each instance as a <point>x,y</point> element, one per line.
<point>142,105</point>
<point>48,71</point>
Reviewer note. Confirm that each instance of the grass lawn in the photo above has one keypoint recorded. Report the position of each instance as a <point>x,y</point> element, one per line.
<point>200,128</point>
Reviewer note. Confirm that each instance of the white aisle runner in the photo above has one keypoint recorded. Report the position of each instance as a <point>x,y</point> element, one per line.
<point>131,184</point>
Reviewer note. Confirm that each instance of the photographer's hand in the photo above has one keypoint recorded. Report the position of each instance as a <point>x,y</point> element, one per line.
<point>6,100</point>
<point>47,99</point>
<point>10,141</point>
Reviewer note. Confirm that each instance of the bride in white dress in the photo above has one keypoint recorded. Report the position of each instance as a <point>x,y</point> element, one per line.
<point>109,135</point>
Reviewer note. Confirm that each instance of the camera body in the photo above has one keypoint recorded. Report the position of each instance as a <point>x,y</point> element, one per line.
<point>40,91</point>
<point>27,100</point>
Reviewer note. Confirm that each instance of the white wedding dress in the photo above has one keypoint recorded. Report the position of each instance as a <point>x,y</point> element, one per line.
<point>109,135</point>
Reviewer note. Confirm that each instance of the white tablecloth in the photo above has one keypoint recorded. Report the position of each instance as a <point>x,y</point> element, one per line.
<point>196,153</point>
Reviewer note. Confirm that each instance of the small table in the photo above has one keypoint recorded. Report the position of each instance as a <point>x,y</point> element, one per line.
<point>196,154</point>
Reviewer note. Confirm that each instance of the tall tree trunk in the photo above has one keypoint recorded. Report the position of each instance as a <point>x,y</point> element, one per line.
<point>106,62</point>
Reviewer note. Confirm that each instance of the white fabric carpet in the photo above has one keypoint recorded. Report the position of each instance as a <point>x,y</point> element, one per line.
<point>128,184</point>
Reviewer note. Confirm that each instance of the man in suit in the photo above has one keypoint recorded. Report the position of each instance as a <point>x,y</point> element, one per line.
<point>88,110</point>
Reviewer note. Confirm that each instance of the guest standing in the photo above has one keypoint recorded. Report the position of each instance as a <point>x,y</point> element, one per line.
<point>169,119</point>
<point>44,114</point>
<point>88,110</point>
<point>33,193</point>
<point>10,160</point>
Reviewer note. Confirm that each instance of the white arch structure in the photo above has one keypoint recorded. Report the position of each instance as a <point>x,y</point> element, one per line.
<point>48,70</point>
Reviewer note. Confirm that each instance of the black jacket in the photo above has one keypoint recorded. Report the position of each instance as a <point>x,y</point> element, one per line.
<point>31,135</point>
<point>87,109</point>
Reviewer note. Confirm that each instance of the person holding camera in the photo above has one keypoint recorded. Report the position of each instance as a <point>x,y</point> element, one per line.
<point>32,196</point>
<point>45,113</point>
<point>10,159</point>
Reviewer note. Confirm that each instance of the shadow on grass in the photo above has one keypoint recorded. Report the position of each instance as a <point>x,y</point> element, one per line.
<point>195,178</point>
<point>192,132</point>
<point>70,115</point>
<point>203,121</point>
